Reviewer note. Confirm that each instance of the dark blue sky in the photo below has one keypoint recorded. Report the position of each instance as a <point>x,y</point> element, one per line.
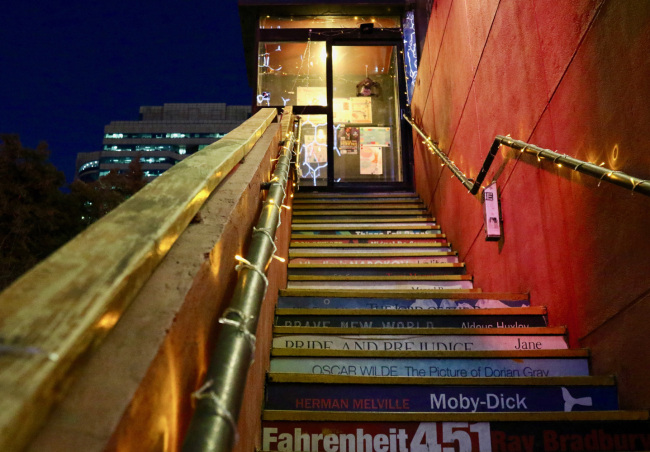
<point>69,68</point>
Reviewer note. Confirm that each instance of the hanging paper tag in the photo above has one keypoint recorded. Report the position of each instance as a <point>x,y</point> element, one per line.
<point>491,213</point>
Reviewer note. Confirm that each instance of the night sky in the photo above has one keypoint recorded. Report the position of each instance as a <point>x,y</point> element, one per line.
<point>69,68</point>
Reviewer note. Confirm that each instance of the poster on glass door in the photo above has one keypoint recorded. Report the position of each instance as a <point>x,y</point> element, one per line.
<point>347,140</point>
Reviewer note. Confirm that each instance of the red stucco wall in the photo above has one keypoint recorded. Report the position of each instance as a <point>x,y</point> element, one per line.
<point>570,75</point>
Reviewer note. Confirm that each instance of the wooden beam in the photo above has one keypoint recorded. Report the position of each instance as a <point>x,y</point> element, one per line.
<point>56,313</point>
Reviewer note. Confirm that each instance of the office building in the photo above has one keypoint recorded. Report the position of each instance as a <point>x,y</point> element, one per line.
<point>163,136</point>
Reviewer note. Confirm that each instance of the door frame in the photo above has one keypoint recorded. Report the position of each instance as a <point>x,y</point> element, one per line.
<point>384,36</point>
<point>406,149</point>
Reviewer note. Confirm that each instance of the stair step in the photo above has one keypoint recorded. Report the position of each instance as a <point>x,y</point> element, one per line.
<point>400,300</point>
<point>500,363</point>
<point>365,220</point>
<point>449,398</point>
<point>476,432</point>
<point>356,213</point>
<point>379,278</point>
<point>514,355</point>
<point>290,306</point>
<point>551,416</point>
<point>376,205</point>
<point>305,272</point>
<point>371,238</point>
<point>606,380</point>
<point>325,195</point>
<point>365,227</point>
<point>425,319</point>
<point>368,249</point>
<point>307,262</point>
<point>412,283</point>
<point>356,201</point>
<point>427,234</point>
<point>426,340</point>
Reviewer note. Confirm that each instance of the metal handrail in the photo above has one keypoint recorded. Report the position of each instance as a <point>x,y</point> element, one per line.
<point>213,427</point>
<point>433,146</point>
<point>600,172</point>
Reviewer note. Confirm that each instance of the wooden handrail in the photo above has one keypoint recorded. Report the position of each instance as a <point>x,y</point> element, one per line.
<point>55,313</point>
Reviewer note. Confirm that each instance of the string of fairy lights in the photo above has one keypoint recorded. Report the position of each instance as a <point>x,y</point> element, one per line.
<point>600,171</point>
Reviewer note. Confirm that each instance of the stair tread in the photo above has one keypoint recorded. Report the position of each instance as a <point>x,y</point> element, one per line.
<point>506,354</point>
<point>380,278</point>
<point>363,220</point>
<point>525,331</point>
<point>356,212</point>
<point>298,207</point>
<point>300,253</point>
<point>279,377</point>
<point>352,200</point>
<point>530,310</point>
<point>371,236</point>
<point>315,244</point>
<point>535,416</point>
<point>474,294</point>
<point>354,227</point>
<point>304,195</point>
<point>379,265</point>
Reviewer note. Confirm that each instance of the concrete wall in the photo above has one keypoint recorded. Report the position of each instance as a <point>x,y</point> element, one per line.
<point>134,391</point>
<point>570,75</point>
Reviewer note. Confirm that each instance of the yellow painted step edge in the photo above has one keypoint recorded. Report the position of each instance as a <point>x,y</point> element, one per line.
<point>525,331</point>
<point>290,415</point>
<point>373,255</point>
<point>384,293</point>
<point>532,310</point>
<point>345,246</point>
<point>367,236</point>
<point>380,278</point>
<point>494,354</point>
<point>451,294</point>
<point>278,377</point>
<point>380,265</point>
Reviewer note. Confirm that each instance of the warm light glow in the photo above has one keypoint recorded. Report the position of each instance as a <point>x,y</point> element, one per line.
<point>239,258</point>
<point>281,259</point>
<point>108,320</point>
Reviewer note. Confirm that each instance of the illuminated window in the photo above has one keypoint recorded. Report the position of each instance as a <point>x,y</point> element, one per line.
<point>157,135</point>
<point>291,73</point>
<point>329,21</point>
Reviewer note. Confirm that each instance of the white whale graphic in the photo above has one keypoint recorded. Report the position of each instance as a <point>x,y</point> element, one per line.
<point>570,401</point>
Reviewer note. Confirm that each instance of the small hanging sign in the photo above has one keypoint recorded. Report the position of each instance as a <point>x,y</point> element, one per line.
<point>491,213</point>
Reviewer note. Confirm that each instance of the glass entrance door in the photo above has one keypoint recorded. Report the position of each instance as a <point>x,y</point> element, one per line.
<point>366,136</point>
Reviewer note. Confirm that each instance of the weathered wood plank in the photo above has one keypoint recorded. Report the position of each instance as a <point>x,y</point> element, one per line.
<point>54,315</point>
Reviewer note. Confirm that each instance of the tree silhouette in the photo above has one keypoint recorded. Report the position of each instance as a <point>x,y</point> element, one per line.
<point>34,219</point>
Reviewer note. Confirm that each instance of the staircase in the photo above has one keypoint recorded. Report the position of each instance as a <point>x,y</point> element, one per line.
<point>382,343</point>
